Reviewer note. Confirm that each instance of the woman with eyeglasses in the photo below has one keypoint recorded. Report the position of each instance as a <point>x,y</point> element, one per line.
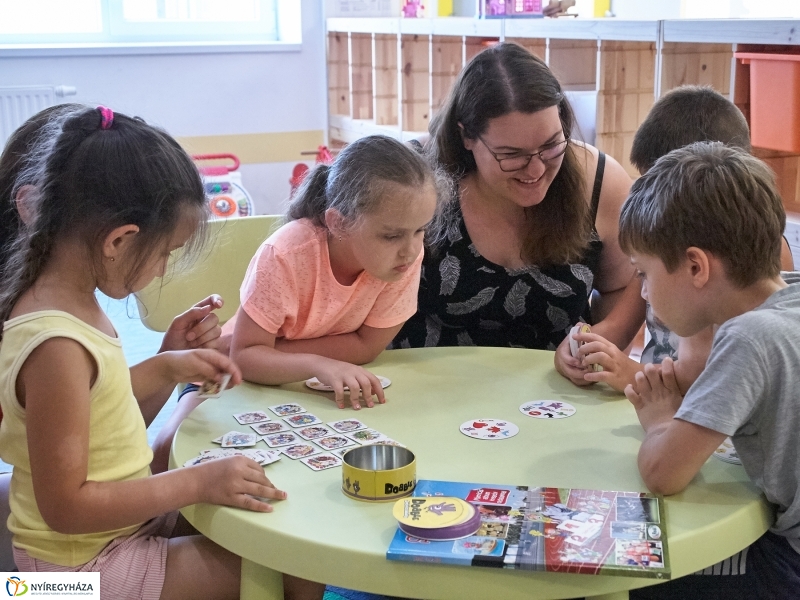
<point>532,230</point>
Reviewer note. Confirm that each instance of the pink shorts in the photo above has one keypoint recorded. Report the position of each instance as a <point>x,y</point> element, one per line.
<point>131,568</point>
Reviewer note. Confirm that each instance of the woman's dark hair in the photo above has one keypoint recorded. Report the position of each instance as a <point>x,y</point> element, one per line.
<point>19,147</point>
<point>100,173</point>
<point>356,183</point>
<point>502,79</point>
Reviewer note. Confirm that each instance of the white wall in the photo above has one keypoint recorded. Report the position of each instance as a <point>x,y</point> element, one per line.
<point>203,94</point>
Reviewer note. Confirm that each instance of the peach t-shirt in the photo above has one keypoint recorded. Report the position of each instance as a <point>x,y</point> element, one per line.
<point>290,290</point>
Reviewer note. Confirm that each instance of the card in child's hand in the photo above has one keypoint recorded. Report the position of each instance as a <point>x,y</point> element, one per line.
<point>347,425</point>
<point>314,432</point>
<point>299,450</point>
<point>322,461</point>
<point>302,420</point>
<point>283,410</point>
<point>270,427</point>
<point>236,439</point>
<point>332,442</point>
<point>214,389</point>
<point>281,439</point>
<point>247,418</point>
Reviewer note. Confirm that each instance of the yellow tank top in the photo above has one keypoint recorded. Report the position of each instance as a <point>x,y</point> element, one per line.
<point>118,447</point>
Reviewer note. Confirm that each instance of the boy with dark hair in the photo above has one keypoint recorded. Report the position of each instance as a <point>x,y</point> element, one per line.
<point>703,228</point>
<point>682,116</point>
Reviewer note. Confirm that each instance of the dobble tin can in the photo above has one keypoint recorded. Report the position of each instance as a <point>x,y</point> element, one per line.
<point>379,473</point>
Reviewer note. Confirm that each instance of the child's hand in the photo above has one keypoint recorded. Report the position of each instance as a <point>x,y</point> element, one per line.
<point>569,366</point>
<point>198,327</point>
<point>236,481</point>
<point>655,394</point>
<point>201,365</point>
<point>338,374</point>
<point>618,370</point>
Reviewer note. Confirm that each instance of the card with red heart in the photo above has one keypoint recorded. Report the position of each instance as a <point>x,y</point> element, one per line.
<point>489,429</point>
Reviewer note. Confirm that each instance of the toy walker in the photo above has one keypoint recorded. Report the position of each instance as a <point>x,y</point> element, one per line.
<point>227,197</point>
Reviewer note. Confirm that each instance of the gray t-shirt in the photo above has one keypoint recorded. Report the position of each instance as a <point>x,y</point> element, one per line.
<point>750,390</point>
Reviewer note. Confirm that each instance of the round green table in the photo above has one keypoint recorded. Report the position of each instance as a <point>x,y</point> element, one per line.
<point>320,534</point>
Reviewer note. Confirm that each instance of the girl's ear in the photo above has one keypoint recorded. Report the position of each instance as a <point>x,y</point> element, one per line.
<point>335,222</point>
<point>118,241</point>
<point>24,203</point>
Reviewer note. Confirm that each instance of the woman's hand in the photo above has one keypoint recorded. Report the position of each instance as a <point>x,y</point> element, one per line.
<point>569,366</point>
<point>198,327</point>
<point>618,371</point>
<point>338,374</point>
<point>236,481</point>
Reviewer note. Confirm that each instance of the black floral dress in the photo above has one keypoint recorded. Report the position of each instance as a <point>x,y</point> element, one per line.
<point>466,300</point>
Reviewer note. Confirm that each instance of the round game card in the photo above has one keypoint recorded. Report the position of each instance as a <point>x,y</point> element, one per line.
<point>489,429</point>
<point>727,453</point>
<point>316,384</point>
<point>547,409</point>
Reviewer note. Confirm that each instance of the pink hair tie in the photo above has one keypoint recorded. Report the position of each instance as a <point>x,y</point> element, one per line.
<point>106,116</point>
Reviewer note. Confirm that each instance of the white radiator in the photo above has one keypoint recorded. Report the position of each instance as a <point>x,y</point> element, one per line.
<point>18,104</point>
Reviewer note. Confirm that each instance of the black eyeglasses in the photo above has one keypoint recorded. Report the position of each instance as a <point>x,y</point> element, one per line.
<point>520,161</point>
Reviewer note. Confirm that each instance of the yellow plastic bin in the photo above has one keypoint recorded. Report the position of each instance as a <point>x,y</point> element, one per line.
<point>774,100</point>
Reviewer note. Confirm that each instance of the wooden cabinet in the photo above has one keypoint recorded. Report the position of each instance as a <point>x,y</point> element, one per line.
<point>392,75</point>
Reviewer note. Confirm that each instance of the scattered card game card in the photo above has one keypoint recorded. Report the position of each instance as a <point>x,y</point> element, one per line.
<point>247,418</point>
<point>367,436</point>
<point>299,450</point>
<point>340,452</point>
<point>270,427</point>
<point>260,456</point>
<point>314,432</point>
<point>321,462</point>
<point>316,384</point>
<point>547,409</point>
<point>236,439</point>
<point>332,442</point>
<point>489,429</point>
<point>283,410</point>
<point>213,389</point>
<point>281,439</point>
<point>347,425</point>
<point>302,420</point>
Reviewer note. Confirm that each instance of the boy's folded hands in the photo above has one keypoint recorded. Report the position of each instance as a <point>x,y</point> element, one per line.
<point>345,377</point>
<point>655,394</point>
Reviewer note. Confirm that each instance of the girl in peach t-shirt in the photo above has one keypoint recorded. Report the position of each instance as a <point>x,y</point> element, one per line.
<point>331,288</point>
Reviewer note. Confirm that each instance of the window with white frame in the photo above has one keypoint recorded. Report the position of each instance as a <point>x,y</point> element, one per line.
<point>41,22</point>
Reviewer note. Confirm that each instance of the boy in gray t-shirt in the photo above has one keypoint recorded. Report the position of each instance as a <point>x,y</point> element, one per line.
<point>703,228</point>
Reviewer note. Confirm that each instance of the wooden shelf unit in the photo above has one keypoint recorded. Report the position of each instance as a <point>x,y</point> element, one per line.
<point>391,75</point>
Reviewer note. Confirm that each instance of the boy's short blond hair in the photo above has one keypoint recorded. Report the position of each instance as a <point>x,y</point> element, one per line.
<point>711,196</point>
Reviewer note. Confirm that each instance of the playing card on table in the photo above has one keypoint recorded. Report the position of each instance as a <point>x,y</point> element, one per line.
<point>547,409</point>
<point>340,452</point>
<point>300,450</point>
<point>283,410</point>
<point>235,439</point>
<point>489,429</point>
<point>321,462</point>
<point>213,389</point>
<point>726,452</point>
<point>316,384</point>
<point>332,442</point>
<point>302,420</point>
<point>347,425</point>
<point>314,432</point>
<point>367,436</point>
<point>281,439</point>
<point>207,455</point>
<point>270,427</point>
<point>247,418</point>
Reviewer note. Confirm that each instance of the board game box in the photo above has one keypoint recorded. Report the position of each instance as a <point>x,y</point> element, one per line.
<point>549,529</point>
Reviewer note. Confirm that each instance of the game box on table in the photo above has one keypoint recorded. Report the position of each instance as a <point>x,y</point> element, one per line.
<point>549,529</point>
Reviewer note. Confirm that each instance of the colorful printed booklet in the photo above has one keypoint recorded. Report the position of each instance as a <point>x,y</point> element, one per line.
<point>549,529</point>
